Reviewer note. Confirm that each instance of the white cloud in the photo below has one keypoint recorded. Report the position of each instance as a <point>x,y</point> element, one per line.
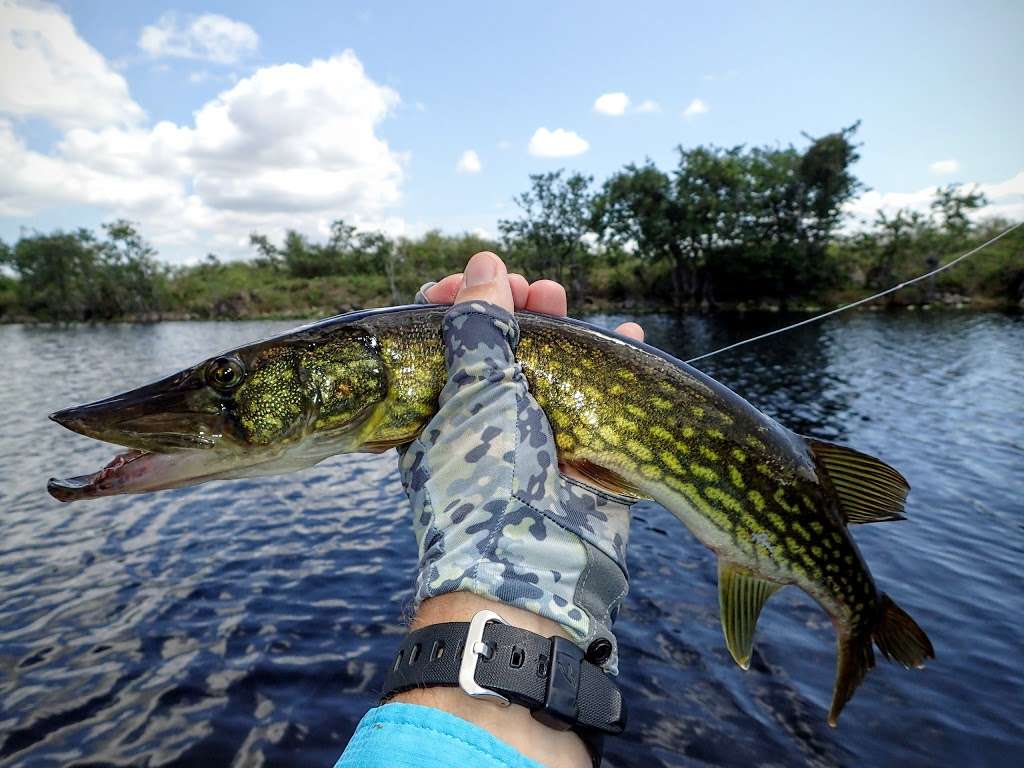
<point>557,143</point>
<point>694,108</point>
<point>613,104</point>
<point>1005,199</point>
<point>210,37</point>
<point>1012,187</point>
<point>291,146</point>
<point>469,162</point>
<point>944,167</point>
<point>50,72</point>
<point>618,103</point>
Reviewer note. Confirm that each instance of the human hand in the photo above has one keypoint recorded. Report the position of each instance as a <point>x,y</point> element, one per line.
<point>545,296</point>
<point>492,514</point>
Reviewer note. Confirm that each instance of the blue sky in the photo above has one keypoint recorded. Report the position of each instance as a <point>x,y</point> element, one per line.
<point>376,135</point>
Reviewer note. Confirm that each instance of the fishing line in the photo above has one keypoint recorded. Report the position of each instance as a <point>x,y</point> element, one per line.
<point>857,303</point>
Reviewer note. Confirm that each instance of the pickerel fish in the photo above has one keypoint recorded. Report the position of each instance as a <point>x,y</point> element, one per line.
<point>773,505</point>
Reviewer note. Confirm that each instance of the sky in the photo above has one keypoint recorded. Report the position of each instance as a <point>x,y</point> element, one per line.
<point>205,121</point>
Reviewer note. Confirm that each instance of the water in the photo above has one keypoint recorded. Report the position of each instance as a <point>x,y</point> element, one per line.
<point>249,623</point>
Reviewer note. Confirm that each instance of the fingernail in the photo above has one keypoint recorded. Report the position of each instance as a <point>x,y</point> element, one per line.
<point>481,270</point>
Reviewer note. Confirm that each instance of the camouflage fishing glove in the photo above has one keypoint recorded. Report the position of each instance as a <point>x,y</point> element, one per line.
<point>492,514</point>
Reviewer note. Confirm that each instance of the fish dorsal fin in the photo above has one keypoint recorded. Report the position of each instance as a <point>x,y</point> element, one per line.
<point>741,595</point>
<point>869,490</point>
<point>605,479</point>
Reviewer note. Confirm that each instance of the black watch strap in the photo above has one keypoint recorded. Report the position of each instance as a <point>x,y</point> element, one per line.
<point>492,660</point>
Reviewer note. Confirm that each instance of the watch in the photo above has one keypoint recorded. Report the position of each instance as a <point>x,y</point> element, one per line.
<point>492,660</point>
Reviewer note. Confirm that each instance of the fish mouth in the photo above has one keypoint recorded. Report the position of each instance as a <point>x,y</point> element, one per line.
<point>117,474</point>
<point>141,472</point>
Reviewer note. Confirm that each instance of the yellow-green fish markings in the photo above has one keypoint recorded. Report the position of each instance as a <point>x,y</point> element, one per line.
<point>773,505</point>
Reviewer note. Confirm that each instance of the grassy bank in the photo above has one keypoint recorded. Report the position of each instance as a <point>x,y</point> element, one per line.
<point>247,290</point>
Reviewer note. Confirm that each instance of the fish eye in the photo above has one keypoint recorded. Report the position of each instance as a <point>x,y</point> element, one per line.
<point>225,373</point>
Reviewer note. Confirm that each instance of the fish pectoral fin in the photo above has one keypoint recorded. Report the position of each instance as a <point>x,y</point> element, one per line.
<point>741,595</point>
<point>868,489</point>
<point>379,446</point>
<point>604,479</point>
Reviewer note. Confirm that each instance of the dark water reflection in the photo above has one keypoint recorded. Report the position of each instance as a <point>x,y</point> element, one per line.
<point>248,623</point>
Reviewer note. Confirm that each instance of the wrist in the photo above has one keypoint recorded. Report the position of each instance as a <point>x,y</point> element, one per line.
<point>514,724</point>
<point>462,606</point>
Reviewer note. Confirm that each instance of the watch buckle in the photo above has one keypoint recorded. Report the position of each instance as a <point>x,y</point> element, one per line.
<point>474,648</point>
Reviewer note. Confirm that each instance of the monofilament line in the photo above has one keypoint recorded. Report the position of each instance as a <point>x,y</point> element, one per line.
<point>857,303</point>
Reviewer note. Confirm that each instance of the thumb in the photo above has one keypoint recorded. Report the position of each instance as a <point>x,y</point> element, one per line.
<point>486,279</point>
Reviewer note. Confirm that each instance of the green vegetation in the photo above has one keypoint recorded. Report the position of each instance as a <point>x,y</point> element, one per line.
<point>725,227</point>
<point>77,276</point>
<point>908,243</point>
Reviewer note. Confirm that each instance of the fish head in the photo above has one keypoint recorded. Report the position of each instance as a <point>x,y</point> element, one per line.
<point>267,408</point>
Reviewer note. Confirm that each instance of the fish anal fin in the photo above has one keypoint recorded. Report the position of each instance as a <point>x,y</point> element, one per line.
<point>741,595</point>
<point>868,489</point>
<point>603,479</point>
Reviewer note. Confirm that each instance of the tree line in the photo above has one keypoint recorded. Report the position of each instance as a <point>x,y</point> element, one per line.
<point>736,225</point>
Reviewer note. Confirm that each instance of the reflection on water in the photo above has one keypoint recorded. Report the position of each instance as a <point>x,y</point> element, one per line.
<point>249,622</point>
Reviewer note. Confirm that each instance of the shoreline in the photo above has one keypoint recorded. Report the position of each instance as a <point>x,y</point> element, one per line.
<point>949,303</point>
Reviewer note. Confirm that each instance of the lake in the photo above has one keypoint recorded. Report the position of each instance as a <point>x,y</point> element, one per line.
<point>250,622</point>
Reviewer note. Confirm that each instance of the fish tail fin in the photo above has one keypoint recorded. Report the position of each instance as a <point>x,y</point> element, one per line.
<point>854,658</point>
<point>897,636</point>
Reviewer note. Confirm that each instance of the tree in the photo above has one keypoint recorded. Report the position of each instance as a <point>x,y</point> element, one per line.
<point>711,189</point>
<point>792,206</point>
<point>902,237</point>
<point>342,234</point>
<point>435,254</point>
<point>827,179</point>
<point>756,222</point>
<point>637,209</point>
<point>56,274</point>
<point>378,253</point>
<point>556,215</point>
<point>132,279</point>
<point>687,217</point>
<point>269,255</point>
<point>953,203</point>
<point>68,276</point>
<point>346,252</point>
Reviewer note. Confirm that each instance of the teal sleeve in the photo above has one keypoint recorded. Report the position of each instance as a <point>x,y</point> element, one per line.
<point>411,736</point>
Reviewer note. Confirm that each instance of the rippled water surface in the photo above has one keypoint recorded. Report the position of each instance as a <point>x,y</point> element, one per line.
<point>249,622</point>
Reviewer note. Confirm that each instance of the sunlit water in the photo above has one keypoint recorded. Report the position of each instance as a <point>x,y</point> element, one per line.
<point>249,622</point>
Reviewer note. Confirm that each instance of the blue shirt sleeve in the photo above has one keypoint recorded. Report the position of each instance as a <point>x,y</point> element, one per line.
<point>412,736</point>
